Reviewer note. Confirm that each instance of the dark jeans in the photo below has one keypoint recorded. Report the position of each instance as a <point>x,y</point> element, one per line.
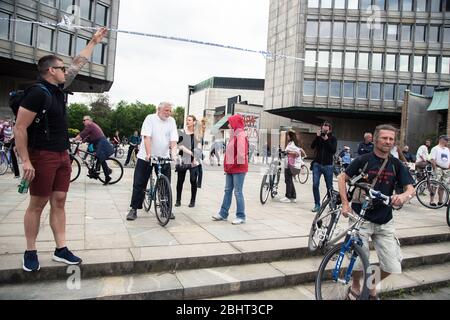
<point>130,150</point>
<point>290,188</point>
<point>140,180</point>
<point>193,177</point>
<point>11,146</point>
<point>327,172</point>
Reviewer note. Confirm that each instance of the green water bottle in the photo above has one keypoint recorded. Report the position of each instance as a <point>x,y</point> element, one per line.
<point>23,186</point>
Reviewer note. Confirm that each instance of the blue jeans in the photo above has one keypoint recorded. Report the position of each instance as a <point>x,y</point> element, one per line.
<point>327,172</point>
<point>233,181</point>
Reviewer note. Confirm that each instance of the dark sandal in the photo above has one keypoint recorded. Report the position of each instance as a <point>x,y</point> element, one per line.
<point>351,295</point>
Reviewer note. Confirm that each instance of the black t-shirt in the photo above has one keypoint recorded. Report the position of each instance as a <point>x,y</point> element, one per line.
<point>34,101</point>
<point>394,173</point>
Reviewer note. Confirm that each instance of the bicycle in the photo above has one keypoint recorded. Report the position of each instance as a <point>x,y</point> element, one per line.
<point>427,188</point>
<point>303,176</point>
<point>90,160</point>
<point>118,151</point>
<point>271,179</point>
<point>159,192</point>
<point>5,159</point>
<point>341,259</point>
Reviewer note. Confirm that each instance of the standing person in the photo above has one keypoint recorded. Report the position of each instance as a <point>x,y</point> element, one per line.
<point>325,145</point>
<point>235,167</point>
<point>409,157</point>
<point>265,153</point>
<point>215,152</point>
<point>366,146</point>
<point>423,155</point>
<point>8,139</point>
<point>440,160</point>
<point>93,134</point>
<point>159,132</point>
<point>384,172</point>
<point>188,142</point>
<point>293,152</point>
<point>43,148</point>
<point>115,140</point>
<point>134,141</point>
<point>346,157</point>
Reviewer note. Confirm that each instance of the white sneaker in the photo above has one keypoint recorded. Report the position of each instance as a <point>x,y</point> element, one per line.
<point>218,217</point>
<point>285,200</point>
<point>238,221</point>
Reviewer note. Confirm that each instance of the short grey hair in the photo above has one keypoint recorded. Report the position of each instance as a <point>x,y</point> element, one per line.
<point>384,127</point>
<point>367,134</point>
<point>165,104</point>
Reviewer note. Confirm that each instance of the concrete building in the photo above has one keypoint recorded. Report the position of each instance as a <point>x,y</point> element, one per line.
<point>23,44</point>
<point>360,57</point>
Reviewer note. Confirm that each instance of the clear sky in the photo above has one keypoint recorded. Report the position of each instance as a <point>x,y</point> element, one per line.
<point>152,70</point>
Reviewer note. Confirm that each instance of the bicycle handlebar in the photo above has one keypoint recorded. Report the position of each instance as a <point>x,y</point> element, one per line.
<point>374,194</point>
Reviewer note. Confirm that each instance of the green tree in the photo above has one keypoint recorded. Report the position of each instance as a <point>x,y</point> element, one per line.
<point>178,114</point>
<point>76,112</point>
<point>101,113</point>
<point>128,117</point>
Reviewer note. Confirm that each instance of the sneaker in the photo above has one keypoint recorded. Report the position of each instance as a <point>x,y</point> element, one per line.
<point>218,217</point>
<point>316,209</point>
<point>191,204</point>
<point>30,261</point>
<point>433,204</point>
<point>285,200</point>
<point>66,256</point>
<point>177,203</point>
<point>107,180</point>
<point>172,217</point>
<point>238,221</point>
<point>132,215</point>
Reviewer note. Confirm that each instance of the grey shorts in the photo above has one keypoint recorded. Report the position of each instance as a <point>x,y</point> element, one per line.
<point>386,245</point>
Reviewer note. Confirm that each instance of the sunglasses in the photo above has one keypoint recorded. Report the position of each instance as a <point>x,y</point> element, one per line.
<point>63,69</point>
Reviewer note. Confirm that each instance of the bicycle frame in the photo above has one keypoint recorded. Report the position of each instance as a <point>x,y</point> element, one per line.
<point>92,159</point>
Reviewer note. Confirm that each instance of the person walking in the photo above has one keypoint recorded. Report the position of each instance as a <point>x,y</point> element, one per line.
<point>235,167</point>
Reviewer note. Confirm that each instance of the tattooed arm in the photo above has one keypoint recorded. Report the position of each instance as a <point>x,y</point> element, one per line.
<point>80,60</point>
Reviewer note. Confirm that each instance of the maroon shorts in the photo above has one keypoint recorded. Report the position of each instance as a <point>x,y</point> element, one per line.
<point>53,171</point>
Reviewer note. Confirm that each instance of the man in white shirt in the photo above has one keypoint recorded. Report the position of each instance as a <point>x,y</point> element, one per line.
<point>160,136</point>
<point>440,159</point>
<point>423,155</point>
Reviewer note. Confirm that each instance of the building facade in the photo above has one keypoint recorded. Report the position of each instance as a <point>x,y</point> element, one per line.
<point>23,44</point>
<point>359,58</point>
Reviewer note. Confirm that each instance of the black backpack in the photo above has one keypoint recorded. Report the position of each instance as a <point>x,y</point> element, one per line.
<point>16,98</point>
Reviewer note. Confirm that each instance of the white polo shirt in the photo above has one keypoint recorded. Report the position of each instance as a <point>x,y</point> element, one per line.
<point>441,156</point>
<point>162,133</point>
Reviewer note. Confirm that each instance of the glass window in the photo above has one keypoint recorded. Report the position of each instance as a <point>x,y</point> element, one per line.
<point>391,60</point>
<point>313,3</point>
<point>364,31</point>
<point>364,4</point>
<point>325,29</point>
<point>428,91</point>
<point>335,89</point>
<point>339,4</point>
<point>311,28</point>
<point>349,89</point>
<point>445,68</point>
<point>310,58</point>
<point>352,32</point>
<point>336,60</point>
<point>322,88</point>
<point>4,26</point>
<point>338,30</point>
<point>350,58</point>
<point>326,4</point>
<point>404,62</point>
<point>447,35</point>
<point>308,88</point>
<point>380,3</point>
<point>50,3</point>
<point>389,91</point>
<point>86,9</point>
<point>377,61</point>
<point>435,5</point>
<point>375,91</point>
<point>64,43</point>
<point>323,59</point>
<point>433,34</point>
<point>24,32</point>
<point>45,38</point>
<point>401,91</point>
<point>352,4</point>
<point>416,89</point>
<point>418,63</point>
<point>66,5</point>
<point>101,15</point>
<point>421,5</point>
<point>407,5</point>
<point>419,35</point>
<point>392,32</point>
<point>393,5</point>
<point>362,90</point>
<point>81,44</point>
<point>99,54</point>
<point>378,32</point>
<point>432,64</point>
<point>406,32</point>
<point>363,62</point>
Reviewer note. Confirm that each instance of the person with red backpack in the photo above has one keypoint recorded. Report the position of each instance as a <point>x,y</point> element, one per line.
<point>235,167</point>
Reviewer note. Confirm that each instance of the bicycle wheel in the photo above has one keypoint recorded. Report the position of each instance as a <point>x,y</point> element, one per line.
<point>318,227</point>
<point>3,163</point>
<point>333,283</point>
<point>265,189</point>
<point>163,200</point>
<point>120,153</point>
<point>76,168</point>
<point>432,191</point>
<point>115,171</point>
<point>303,175</point>
<point>148,196</point>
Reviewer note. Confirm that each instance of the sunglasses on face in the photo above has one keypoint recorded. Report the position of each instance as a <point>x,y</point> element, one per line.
<point>63,69</point>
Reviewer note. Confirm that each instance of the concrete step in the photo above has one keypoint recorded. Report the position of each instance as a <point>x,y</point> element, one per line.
<point>223,281</point>
<point>116,262</point>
